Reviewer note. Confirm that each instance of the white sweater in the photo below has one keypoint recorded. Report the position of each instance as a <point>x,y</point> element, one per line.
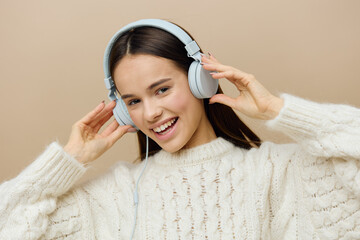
<point>307,190</point>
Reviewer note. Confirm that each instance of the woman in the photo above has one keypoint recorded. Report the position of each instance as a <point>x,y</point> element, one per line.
<point>209,176</point>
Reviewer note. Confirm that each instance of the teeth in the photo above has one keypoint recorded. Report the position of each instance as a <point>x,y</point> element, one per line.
<point>164,126</point>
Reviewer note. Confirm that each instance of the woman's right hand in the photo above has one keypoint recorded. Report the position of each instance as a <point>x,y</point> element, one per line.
<point>86,143</point>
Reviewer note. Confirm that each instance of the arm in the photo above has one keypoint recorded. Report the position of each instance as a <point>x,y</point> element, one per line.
<point>27,200</point>
<point>323,168</point>
<point>309,186</point>
<point>323,130</point>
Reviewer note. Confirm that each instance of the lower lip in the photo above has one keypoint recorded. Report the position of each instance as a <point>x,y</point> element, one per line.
<point>168,134</point>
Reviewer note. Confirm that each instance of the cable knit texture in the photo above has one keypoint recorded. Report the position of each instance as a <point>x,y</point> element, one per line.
<point>306,190</point>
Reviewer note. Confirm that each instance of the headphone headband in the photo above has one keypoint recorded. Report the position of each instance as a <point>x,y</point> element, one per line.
<point>191,46</point>
<point>201,83</point>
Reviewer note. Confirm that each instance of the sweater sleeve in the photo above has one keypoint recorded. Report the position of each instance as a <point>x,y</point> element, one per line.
<point>27,200</point>
<point>319,177</point>
<point>330,131</point>
<point>324,130</point>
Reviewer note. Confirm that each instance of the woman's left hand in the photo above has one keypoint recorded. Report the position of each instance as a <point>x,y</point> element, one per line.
<point>254,100</point>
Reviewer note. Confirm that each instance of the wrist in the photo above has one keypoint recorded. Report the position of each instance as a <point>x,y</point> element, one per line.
<point>73,151</point>
<point>275,107</point>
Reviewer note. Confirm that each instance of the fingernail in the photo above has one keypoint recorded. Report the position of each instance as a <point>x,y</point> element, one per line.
<point>209,54</point>
<point>204,55</point>
<point>103,101</point>
<point>131,129</point>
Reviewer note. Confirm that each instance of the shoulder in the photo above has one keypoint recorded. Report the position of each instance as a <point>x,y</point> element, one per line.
<point>271,154</point>
<point>119,176</point>
<point>276,149</point>
<point>267,149</point>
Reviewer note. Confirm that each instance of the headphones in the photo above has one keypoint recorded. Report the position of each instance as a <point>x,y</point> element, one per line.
<point>201,83</point>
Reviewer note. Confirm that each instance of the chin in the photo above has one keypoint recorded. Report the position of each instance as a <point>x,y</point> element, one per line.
<point>173,145</point>
<point>171,148</point>
<point>172,141</point>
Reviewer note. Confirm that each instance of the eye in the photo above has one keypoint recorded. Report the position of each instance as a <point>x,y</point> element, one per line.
<point>133,102</point>
<point>162,90</point>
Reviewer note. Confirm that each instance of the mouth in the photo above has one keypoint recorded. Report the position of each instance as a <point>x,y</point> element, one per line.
<point>166,127</point>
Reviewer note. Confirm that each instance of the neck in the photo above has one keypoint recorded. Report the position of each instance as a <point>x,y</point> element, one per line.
<point>204,134</point>
<point>196,155</point>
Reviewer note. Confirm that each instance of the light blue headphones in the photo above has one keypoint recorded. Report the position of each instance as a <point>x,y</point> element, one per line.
<point>202,85</point>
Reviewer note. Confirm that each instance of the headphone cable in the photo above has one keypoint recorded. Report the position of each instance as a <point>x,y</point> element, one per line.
<point>136,194</point>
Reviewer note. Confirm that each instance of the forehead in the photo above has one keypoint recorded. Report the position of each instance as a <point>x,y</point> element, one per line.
<point>140,71</point>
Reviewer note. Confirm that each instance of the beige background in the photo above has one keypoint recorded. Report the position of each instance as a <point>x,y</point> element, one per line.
<point>51,59</point>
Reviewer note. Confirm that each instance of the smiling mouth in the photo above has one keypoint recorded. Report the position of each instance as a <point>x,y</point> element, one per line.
<point>166,127</point>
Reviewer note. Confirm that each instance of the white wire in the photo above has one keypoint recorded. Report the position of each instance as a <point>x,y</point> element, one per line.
<point>136,194</point>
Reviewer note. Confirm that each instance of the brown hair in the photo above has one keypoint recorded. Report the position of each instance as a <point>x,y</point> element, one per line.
<point>157,42</point>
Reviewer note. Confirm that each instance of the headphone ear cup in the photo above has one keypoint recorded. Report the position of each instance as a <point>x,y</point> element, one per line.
<point>201,83</point>
<point>192,79</point>
<point>121,113</point>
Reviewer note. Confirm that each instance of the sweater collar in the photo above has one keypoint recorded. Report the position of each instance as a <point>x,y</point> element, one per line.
<point>207,152</point>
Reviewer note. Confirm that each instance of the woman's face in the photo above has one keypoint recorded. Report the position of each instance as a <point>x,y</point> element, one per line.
<point>160,103</point>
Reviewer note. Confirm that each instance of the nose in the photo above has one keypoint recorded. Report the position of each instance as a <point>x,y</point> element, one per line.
<point>152,111</point>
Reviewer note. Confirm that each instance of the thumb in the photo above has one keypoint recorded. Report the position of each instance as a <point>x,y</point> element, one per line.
<point>223,99</point>
<point>119,132</point>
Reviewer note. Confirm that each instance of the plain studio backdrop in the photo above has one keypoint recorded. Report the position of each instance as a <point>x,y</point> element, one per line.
<point>52,52</point>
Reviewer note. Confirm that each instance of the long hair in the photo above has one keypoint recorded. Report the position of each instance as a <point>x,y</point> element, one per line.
<point>157,42</point>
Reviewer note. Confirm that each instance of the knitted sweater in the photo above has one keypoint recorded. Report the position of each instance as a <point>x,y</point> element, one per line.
<point>306,190</point>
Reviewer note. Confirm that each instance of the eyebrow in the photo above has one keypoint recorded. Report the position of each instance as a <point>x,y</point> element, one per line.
<point>153,85</point>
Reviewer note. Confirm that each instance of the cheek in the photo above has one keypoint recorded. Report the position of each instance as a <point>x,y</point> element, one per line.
<point>186,104</point>
<point>136,116</point>
<point>177,103</point>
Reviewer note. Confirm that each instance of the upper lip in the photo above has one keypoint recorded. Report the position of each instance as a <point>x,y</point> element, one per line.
<point>158,124</point>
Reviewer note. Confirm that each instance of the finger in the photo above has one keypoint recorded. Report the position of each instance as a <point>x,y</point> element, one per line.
<point>212,58</point>
<point>118,133</point>
<point>240,79</point>
<point>215,67</point>
<point>229,75</point>
<point>90,116</point>
<point>110,128</point>
<point>223,99</point>
<point>208,57</point>
<point>104,112</point>
<point>204,58</point>
<point>217,75</point>
<point>102,121</point>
